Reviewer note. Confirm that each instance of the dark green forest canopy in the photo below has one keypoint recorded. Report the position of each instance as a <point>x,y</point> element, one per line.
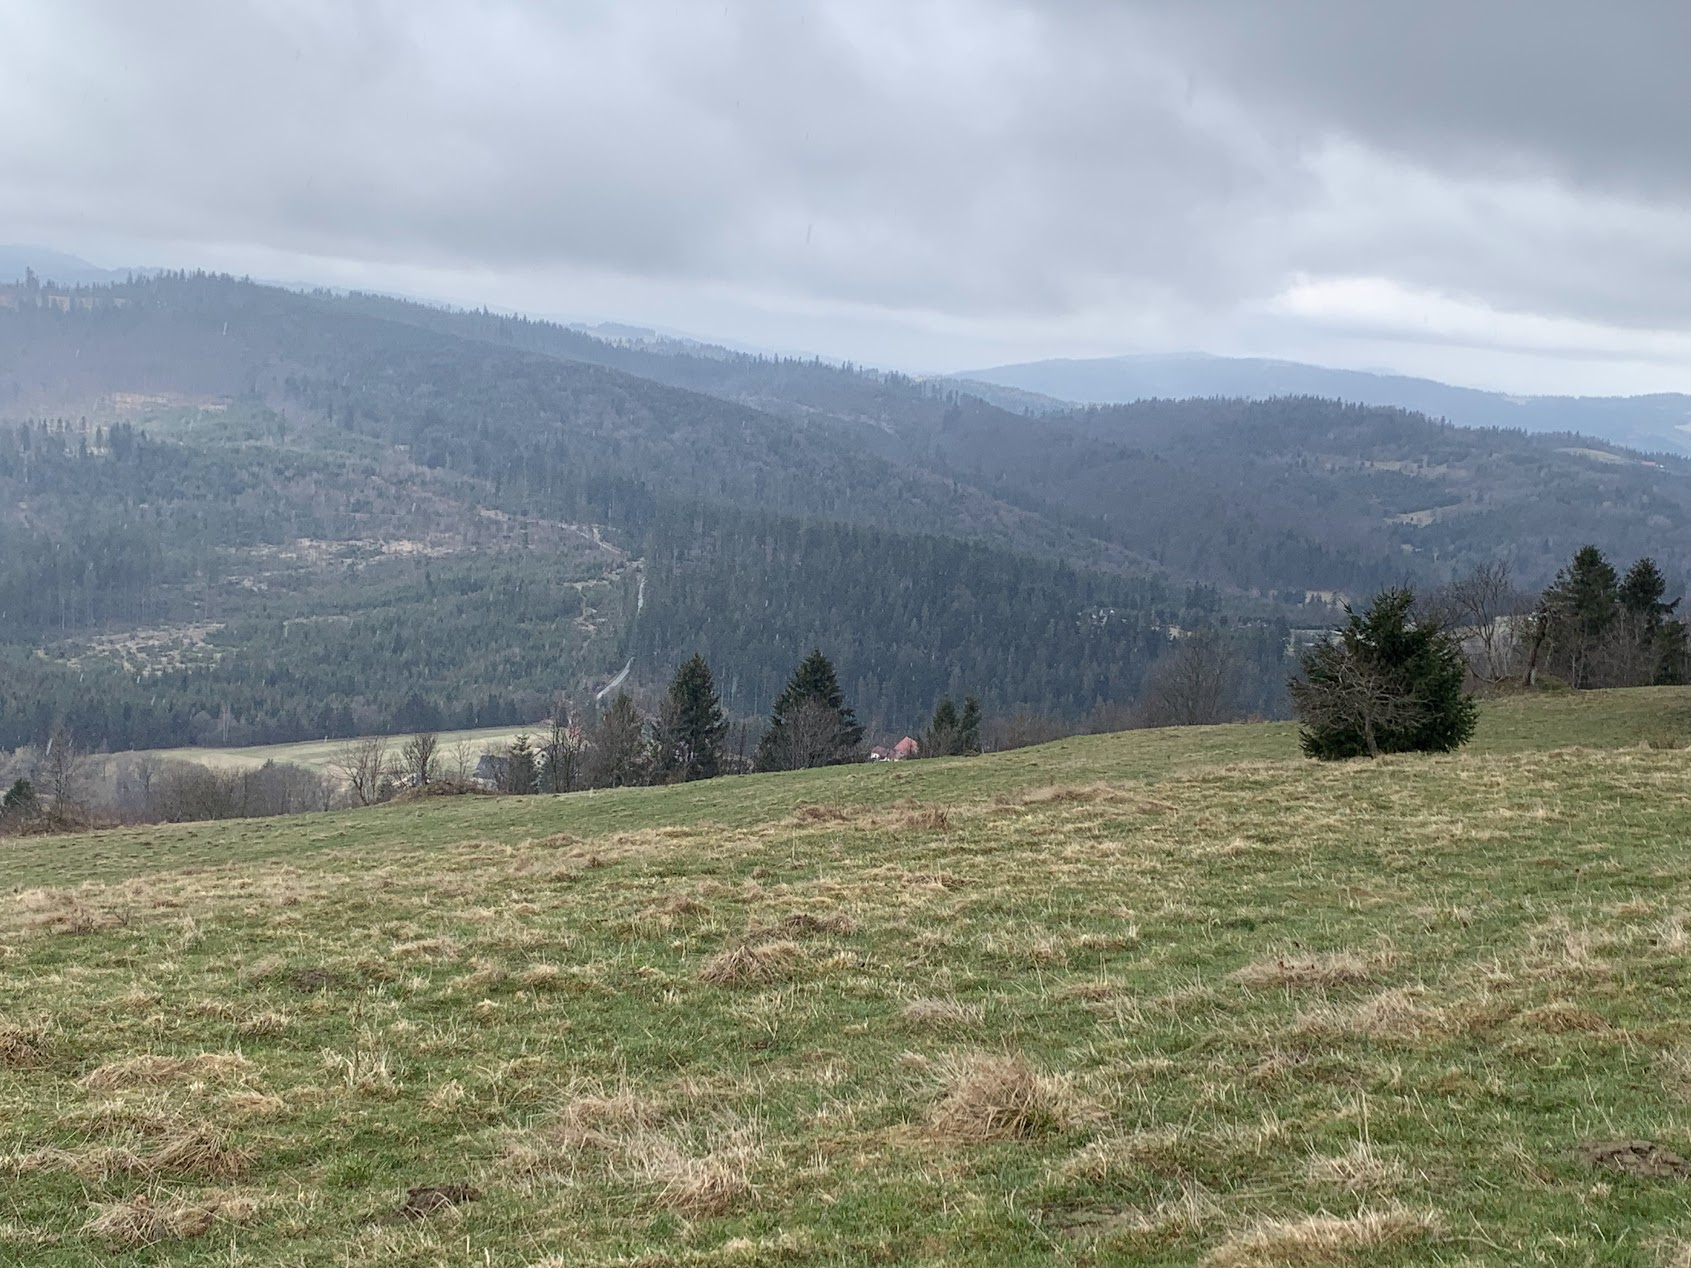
<point>372,515</point>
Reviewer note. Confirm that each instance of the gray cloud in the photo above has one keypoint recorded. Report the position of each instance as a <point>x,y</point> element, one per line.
<point>1068,175</point>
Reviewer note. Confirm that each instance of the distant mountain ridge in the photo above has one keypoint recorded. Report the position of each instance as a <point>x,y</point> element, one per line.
<point>55,266</point>
<point>236,510</point>
<point>1655,423</point>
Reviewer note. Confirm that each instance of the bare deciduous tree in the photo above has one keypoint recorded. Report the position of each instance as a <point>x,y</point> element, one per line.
<point>1485,609</point>
<point>809,736</point>
<point>463,761</point>
<point>1195,685</point>
<point>61,779</point>
<point>1350,693</point>
<point>362,767</point>
<point>417,758</point>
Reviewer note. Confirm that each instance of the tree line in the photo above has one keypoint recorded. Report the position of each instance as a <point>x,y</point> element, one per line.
<point>1402,675</point>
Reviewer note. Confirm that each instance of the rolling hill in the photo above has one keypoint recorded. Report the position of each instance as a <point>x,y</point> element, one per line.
<point>1167,997</point>
<point>1651,423</point>
<point>232,513</point>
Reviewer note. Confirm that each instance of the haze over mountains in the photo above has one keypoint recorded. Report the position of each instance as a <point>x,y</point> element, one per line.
<point>239,512</point>
<point>1658,422</point>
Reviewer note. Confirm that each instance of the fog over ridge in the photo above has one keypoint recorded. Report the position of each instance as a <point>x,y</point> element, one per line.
<point>1498,195</point>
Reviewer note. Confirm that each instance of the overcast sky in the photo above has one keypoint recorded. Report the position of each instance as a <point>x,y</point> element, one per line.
<point>1489,192</point>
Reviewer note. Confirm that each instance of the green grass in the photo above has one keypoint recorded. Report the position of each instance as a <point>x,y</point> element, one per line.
<point>1164,997</point>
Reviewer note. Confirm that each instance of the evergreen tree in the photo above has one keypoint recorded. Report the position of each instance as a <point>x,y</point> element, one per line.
<point>1577,612</point>
<point>1641,594</point>
<point>1388,684</point>
<point>950,733</point>
<point>1659,641</point>
<point>811,724</point>
<point>688,743</point>
<point>520,774</point>
<point>940,739</point>
<point>969,727</point>
<point>617,758</point>
<point>1673,654</point>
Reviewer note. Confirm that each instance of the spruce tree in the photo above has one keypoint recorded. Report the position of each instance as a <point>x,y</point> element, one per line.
<point>690,732</point>
<point>1387,684</point>
<point>942,737</point>
<point>811,724</point>
<point>969,727</point>
<point>953,734</point>
<point>1578,611</point>
<point>1641,594</point>
<point>617,758</point>
<point>520,774</point>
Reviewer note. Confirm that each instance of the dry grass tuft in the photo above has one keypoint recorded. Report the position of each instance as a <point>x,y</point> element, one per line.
<point>1323,1239</point>
<point>754,963</point>
<point>801,923</point>
<point>995,1097</point>
<point>1674,1066</point>
<point>694,1186</point>
<point>1563,1018</point>
<point>1057,794</point>
<point>943,1013</point>
<point>143,1222</point>
<point>21,1048</point>
<point>599,1120</point>
<point>1301,972</point>
<point>198,1152</point>
<point>928,818</point>
<point>1393,1014</point>
<point>148,1070</point>
<point>62,911</point>
<point>254,1105</point>
<point>823,814</point>
<point>625,1127</point>
<point>1360,1169</point>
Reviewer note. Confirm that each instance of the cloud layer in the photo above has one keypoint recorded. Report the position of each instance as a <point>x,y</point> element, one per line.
<point>914,182</point>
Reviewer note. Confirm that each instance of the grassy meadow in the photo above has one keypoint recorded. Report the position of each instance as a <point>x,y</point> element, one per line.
<point>1174,997</point>
<point>321,755</point>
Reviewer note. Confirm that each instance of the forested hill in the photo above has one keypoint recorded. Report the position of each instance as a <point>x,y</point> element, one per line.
<point>1291,492</point>
<point>231,512</point>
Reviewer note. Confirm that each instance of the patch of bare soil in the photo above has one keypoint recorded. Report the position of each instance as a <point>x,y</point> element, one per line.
<point>310,981</point>
<point>1642,1158</point>
<point>431,1199</point>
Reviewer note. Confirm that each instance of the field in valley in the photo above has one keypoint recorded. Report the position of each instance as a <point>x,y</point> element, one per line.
<point>1164,997</point>
<point>322,755</point>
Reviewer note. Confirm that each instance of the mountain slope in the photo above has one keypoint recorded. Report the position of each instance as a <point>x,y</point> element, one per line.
<point>233,511</point>
<point>1350,502</point>
<point>1648,423</point>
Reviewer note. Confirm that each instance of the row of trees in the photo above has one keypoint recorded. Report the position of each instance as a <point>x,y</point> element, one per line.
<point>810,725</point>
<point>63,787</point>
<point>1591,627</point>
<point>1397,677</point>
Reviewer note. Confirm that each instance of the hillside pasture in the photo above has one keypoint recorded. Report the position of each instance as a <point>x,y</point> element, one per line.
<point>1166,998</point>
